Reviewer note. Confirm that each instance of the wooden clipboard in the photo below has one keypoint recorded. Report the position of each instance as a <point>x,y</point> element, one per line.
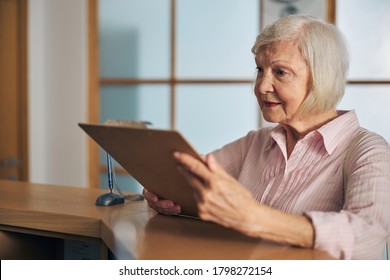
<point>147,155</point>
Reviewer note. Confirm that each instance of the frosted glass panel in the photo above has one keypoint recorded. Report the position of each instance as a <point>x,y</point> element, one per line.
<point>146,103</point>
<point>272,10</point>
<point>366,26</point>
<point>125,183</point>
<point>211,116</point>
<point>214,38</point>
<point>371,104</point>
<point>134,38</point>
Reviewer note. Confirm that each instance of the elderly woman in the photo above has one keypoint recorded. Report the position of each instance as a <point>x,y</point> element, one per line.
<point>316,180</point>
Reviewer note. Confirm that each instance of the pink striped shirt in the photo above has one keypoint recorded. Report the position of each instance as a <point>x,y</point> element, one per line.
<point>347,200</point>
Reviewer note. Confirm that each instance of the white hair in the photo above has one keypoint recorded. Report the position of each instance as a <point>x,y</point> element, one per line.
<point>325,51</point>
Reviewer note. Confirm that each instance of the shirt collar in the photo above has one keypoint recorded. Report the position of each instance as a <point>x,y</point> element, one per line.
<point>278,135</point>
<point>334,132</point>
<point>339,129</point>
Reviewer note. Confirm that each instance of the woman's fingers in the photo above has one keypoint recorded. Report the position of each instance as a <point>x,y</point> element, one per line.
<point>166,207</point>
<point>149,196</point>
<point>212,164</point>
<point>194,166</point>
<point>195,182</point>
<point>174,210</point>
<point>162,206</point>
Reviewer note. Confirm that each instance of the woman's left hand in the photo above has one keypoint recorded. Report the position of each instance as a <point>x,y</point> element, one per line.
<point>221,198</point>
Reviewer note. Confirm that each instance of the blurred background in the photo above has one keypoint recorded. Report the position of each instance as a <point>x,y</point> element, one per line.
<point>180,64</point>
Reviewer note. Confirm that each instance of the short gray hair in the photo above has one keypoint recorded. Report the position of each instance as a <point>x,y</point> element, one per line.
<point>325,51</point>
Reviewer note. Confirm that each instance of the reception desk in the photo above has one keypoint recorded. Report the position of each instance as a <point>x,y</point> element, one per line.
<point>57,222</point>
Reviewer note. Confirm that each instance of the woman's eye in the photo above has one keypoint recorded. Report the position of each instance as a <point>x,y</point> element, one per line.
<point>259,70</point>
<point>280,73</point>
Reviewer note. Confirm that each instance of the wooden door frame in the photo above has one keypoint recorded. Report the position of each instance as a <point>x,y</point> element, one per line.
<point>24,89</point>
<point>22,138</point>
<point>93,91</point>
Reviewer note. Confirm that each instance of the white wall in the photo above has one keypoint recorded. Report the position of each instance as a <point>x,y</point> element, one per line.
<point>57,91</point>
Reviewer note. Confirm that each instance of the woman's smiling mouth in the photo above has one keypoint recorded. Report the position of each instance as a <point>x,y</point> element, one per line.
<point>271,104</point>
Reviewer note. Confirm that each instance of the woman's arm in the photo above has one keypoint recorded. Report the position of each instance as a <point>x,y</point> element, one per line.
<point>221,199</point>
<point>360,229</point>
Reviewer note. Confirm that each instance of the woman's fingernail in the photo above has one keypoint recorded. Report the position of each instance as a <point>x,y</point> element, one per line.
<point>169,204</point>
<point>176,154</point>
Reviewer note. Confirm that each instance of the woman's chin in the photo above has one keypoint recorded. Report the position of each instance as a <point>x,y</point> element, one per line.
<point>271,119</point>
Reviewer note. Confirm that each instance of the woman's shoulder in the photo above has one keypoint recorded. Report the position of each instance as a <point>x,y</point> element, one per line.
<point>261,132</point>
<point>366,138</point>
<point>366,143</point>
<point>260,135</point>
<point>257,138</point>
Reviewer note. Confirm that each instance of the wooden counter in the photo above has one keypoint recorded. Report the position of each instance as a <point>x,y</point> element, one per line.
<point>36,220</point>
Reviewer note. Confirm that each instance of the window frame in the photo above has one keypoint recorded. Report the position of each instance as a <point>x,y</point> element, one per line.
<point>95,81</point>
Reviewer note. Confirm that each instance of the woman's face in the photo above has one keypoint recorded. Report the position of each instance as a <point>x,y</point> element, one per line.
<point>282,82</point>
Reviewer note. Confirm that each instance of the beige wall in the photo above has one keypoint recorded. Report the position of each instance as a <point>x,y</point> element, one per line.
<point>57,91</point>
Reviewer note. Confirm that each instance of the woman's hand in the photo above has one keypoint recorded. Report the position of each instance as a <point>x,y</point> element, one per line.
<point>221,198</point>
<point>162,206</point>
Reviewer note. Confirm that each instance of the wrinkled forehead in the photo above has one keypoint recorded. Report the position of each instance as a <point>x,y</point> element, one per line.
<point>280,49</point>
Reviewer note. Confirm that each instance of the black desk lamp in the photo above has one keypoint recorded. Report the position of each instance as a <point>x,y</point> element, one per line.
<point>110,198</point>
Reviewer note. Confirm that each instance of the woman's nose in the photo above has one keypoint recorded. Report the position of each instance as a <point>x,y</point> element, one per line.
<point>264,84</point>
